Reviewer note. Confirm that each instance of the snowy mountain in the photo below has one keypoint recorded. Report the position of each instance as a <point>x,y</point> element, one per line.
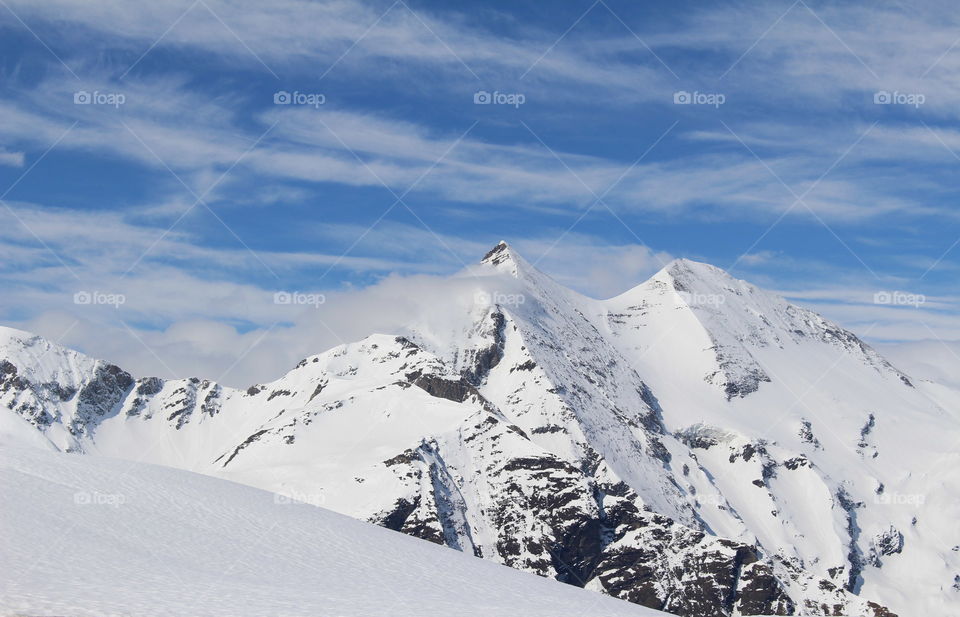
<point>694,445</point>
<point>88,536</point>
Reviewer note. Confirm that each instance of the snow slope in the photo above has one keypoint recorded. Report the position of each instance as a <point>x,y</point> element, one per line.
<point>854,465</point>
<point>103,537</point>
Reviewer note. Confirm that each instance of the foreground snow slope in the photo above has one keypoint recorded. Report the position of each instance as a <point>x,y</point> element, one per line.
<point>102,537</point>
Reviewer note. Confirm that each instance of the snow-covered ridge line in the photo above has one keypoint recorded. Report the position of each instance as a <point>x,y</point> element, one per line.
<point>696,445</point>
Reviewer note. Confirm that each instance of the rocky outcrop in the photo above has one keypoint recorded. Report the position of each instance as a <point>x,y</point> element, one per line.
<point>886,543</point>
<point>479,361</point>
<point>99,397</point>
<point>590,530</point>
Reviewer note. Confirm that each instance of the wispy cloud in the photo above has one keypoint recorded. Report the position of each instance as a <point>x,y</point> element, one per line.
<point>194,136</point>
<point>346,36</point>
<point>198,120</point>
<point>186,291</point>
<point>11,159</point>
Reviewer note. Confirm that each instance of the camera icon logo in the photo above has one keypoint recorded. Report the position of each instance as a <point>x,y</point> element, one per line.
<point>281,97</point>
<point>282,297</point>
<point>882,98</point>
<point>482,97</point>
<point>82,297</point>
<point>81,97</point>
<point>681,98</point>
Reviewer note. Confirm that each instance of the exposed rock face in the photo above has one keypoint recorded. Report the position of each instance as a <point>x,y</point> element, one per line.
<point>650,557</point>
<point>453,390</point>
<point>146,388</point>
<point>100,396</point>
<point>855,555</point>
<point>478,362</point>
<point>29,408</point>
<point>552,519</point>
<point>92,392</point>
<point>888,542</point>
<point>761,594</point>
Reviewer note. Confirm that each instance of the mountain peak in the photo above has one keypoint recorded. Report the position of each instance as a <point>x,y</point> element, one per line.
<point>505,259</point>
<point>497,255</point>
<point>686,271</point>
<point>699,279</point>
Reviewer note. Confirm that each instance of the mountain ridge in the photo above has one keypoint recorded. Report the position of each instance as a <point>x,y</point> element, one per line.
<point>609,444</point>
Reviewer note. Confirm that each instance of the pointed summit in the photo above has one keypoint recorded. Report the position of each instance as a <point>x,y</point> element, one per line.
<point>715,293</point>
<point>497,255</point>
<point>505,259</point>
<point>689,275</point>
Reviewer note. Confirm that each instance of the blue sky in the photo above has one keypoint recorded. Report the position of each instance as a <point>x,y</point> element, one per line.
<point>818,156</point>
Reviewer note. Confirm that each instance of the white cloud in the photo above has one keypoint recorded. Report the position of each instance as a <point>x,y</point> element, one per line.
<point>758,258</point>
<point>190,309</point>
<point>856,308</point>
<point>11,159</point>
<point>936,360</point>
<point>833,56</point>
<point>594,268</point>
<point>198,140</point>
<point>369,42</point>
